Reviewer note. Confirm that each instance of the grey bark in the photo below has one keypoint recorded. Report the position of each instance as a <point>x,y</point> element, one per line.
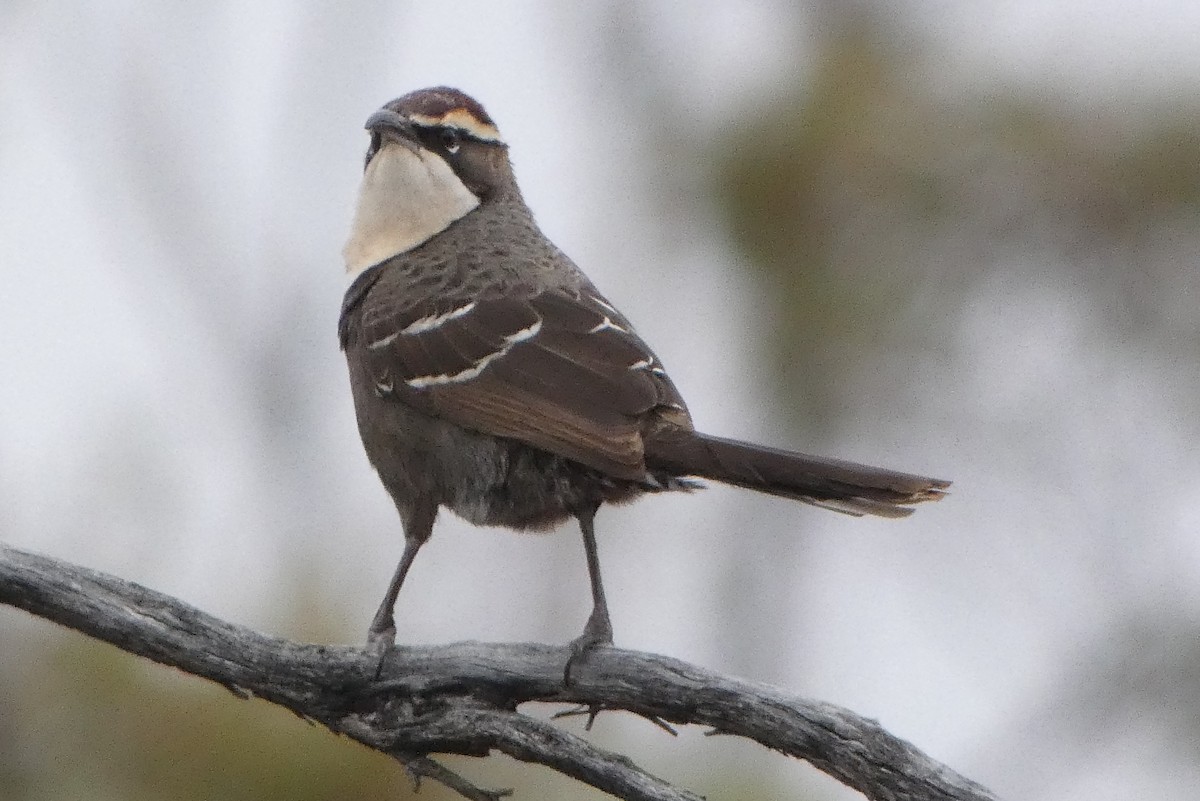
<point>462,698</point>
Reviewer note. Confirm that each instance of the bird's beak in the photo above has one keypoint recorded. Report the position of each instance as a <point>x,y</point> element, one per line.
<point>392,127</point>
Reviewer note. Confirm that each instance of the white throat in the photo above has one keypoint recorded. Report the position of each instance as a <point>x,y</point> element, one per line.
<point>406,198</point>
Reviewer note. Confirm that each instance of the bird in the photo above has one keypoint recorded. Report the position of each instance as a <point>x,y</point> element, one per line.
<point>491,378</point>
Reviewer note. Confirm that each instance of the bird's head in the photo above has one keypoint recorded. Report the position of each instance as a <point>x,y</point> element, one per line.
<point>450,125</point>
<point>434,156</point>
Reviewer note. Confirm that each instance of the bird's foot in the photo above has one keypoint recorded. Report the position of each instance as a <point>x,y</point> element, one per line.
<point>596,634</point>
<point>593,711</point>
<point>380,642</point>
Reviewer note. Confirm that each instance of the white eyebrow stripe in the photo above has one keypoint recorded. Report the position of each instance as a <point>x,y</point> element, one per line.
<point>462,119</point>
<point>605,325</point>
<point>642,365</point>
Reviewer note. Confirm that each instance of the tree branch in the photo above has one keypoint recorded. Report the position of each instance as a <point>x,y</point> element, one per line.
<point>462,698</point>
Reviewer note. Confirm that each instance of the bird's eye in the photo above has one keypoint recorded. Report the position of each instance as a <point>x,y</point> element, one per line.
<point>450,140</point>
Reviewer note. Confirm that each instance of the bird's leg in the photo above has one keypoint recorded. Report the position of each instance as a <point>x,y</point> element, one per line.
<point>381,636</point>
<point>598,630</point>
<point>382,633</point>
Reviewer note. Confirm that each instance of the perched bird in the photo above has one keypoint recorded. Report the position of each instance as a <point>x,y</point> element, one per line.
<point>492,378</point>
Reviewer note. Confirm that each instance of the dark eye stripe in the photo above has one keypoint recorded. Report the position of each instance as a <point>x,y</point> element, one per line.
<point>433,134</point>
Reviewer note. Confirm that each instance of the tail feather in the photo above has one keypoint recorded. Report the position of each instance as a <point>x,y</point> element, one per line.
<point>846,487</point>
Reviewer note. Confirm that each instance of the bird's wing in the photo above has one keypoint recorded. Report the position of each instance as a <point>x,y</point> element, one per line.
<point>562,372</point>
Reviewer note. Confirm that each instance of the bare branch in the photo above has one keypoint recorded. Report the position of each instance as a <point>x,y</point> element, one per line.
<point>422,766</point>
<point>462,698</point>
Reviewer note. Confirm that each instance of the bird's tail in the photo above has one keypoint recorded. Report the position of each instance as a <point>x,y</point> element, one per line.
<point>854,489</point>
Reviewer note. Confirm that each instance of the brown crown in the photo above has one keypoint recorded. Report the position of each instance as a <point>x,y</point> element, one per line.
<point>442,105</point>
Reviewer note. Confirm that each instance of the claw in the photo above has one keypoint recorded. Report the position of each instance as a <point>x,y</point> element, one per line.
<point>379,645</point>
<point>591,710</point>
<point>584,644</point>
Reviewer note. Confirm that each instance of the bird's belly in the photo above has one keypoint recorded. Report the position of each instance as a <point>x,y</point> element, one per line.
<point>487,480</point>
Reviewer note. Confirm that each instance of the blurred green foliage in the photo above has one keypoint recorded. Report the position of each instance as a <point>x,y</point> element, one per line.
<point>875,194</point>
<point>98,723</point>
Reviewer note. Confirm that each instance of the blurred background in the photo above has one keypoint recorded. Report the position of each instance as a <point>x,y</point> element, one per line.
<point>948,237</point>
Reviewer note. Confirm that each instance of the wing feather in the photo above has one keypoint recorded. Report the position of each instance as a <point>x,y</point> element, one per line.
<point>560,372</point>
